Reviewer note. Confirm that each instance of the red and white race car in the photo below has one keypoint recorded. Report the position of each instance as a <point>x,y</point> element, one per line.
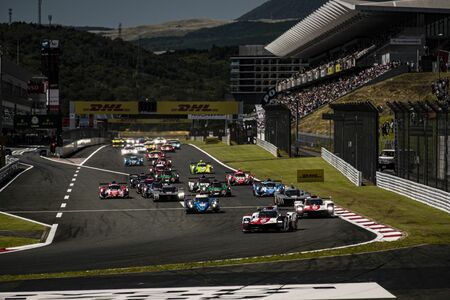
<point>158,168</point>
<point>163,161</point>
<point>113,190</point>
<point>167,148</point>
<point>239,178</point>
<point>155,154</point>
<point>269,218</point>
<point>314,206</point>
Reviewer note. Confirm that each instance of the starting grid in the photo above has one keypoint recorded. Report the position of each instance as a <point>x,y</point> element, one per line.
<point>369,290</point>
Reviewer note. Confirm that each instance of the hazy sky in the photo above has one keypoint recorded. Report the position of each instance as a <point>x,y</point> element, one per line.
<point>129,12</point>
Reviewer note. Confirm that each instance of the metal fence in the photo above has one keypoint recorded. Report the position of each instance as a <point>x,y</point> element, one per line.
<point>342,166</point>
<point>9,169</point>
<point>312,140</point>
<point>422,134</point>
<point>419,192</point>
<point>75,146</point>
<point>272,149</point>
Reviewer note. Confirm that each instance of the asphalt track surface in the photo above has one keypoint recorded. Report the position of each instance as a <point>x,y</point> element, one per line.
<point>96,234</point>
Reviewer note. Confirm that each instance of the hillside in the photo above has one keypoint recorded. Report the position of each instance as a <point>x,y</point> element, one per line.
<point>97,68</point>
<point>233,34</point>
<point>283,9</point>
<point>174,28</point>
<point>405,87</point>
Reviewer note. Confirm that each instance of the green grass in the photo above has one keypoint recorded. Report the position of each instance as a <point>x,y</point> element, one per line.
<point>18,227</point>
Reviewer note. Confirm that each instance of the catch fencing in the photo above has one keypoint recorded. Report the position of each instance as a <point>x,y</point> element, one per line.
<point>9,169</point>
<point>342,166</point>
<point>416,191</point>
<point>272,149</point>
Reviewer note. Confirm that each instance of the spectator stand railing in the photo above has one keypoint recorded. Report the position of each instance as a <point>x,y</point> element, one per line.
<point>431,196</point>
<point>342,166</point>
<point>272,149</point>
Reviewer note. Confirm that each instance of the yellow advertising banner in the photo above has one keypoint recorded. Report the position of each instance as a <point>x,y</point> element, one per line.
<point>338,68</point>
<point>311,175</point>
<point>107,107</point>
<point>197,108</point>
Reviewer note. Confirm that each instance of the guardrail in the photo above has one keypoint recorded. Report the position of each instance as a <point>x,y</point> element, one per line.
<point>416,191</point>
<point>78,145</point>
<point>271,148</point>
<point>9,169</point>
<point>342,166</point>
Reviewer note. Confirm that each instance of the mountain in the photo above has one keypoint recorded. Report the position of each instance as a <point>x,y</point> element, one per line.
<point>174,28</point>
<point>93,67</point>
<point>283,9</point>
<point>233,34</point>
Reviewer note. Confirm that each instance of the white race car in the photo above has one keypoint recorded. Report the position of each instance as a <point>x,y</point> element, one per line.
<point>128,150</point>
<point>314,206</point>
<point>159,141</point>
<point>269,218</point>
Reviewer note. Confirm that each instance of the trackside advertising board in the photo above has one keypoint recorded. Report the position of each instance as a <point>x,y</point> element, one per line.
<point>310,175</point>
<point>197,108</point>
<point>107,107</point>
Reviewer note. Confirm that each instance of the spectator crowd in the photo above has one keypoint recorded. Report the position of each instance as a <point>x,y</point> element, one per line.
<point>313,97</point>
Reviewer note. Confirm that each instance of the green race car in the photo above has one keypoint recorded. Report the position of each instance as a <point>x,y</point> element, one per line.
<point>217,189</point>
<point>168,176</point>
<point>200,167</point>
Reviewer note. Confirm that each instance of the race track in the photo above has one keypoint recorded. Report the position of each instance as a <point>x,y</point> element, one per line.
<point>96,234</point>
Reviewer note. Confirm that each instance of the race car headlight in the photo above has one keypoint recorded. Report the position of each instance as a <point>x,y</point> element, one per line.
<point>299,209</point>
<point>280,221</point>
<point>190,204</point>
<point>330,208</point>
<point>181,195</point>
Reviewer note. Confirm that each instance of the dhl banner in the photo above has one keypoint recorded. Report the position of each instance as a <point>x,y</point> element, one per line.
<point>330,71</point>
<point>197,108</point>
<point>107,107</point>
<point>338,68</point>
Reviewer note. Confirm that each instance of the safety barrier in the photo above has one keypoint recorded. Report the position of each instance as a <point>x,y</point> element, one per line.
<point>342,166</point>
<point>78,145</point>
<point>272,149</point>
<point>9,169</point>
<point>416,191</point>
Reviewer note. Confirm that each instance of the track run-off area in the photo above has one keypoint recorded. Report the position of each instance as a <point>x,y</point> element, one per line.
<point>100,234</point>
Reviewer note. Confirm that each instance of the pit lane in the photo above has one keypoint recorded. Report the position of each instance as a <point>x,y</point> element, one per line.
<point>94,234</point>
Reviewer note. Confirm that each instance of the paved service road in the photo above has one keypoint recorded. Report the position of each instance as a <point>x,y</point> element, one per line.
<point>96,233</point>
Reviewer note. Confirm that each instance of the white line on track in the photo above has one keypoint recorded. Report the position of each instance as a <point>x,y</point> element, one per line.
<point>66,197</point>
<point>78,169</point>
<point>71,184</point>
<point>92,154</point>
<point>75,175</point>
<point>59,215</point>
<point>69,190</point>
<point>17,176</point>
<point>86,167</point>
<point>63,205</point>
<point>74,179</point>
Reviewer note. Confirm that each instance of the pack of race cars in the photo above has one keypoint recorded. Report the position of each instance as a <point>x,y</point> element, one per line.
<point>205,189</point>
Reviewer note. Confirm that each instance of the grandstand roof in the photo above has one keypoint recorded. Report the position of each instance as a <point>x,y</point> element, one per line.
<point>338,18</point>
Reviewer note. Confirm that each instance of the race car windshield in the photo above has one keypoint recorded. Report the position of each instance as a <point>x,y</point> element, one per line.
<point>291,193</point>
<point>201,165</point>
<point>157,185</point>
<point>167,173</point>
<point>388,153</point>
<point>114,187</point>
<point>239,175</point>
<point>217,184</point>
<point>314,202</point>
<point>268,214</point>
<point>169,189</point>
<point>270,184</point>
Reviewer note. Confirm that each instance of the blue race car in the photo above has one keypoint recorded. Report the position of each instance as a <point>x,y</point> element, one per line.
<point>201,204</point>
<point>267,188</point>
<point>133,160</point>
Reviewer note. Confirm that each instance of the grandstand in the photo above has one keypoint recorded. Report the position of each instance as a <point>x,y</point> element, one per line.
<point>351,43</point>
